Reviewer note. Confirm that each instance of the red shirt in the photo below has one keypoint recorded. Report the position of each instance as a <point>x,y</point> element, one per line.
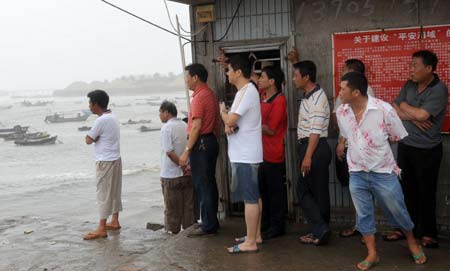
<point>205,106</point>
<point>274,115</point>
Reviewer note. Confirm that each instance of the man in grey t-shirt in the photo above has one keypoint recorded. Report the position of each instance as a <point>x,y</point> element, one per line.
<point>421,104</point>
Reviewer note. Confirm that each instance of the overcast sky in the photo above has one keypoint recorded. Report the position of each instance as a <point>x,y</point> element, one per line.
<point>48,44</point>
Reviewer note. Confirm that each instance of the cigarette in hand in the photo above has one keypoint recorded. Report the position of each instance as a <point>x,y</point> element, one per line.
<point>303,174</point>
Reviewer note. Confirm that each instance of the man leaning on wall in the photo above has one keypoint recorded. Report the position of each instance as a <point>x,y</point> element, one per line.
<point>421,104</point>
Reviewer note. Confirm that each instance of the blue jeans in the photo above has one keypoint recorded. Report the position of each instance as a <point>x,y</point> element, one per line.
<point>203,158</point>
<point>386,189</point>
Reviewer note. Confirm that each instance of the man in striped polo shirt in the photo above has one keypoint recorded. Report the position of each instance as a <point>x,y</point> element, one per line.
<point>314,154</point>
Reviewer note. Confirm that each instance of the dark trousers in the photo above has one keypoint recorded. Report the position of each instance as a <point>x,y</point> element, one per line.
<point>420,170</point>
<point>313,190</point>
<point>273,195</point>
<point>178,203</point>
<point>203,160</point>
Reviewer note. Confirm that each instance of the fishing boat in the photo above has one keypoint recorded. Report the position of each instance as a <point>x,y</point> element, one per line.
<point>34,142</point>
<point>131,122</point>
<point>37,135</point>
<point>38,103</point>
<point>62,117</point>
<point>84,128</point>
<point>154,103</point>
<point>148,129</point>
<point>16,129</point>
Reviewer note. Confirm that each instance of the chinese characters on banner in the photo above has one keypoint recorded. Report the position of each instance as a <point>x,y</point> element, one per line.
<point>387,55</point>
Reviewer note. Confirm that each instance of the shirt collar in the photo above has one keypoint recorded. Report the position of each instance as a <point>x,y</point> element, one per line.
<point>317,88</point>
<point>434,82</point>
<point>371,103</point>
<point>199,88</point>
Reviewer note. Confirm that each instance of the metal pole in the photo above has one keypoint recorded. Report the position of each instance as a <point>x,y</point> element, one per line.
<point>183,63</point>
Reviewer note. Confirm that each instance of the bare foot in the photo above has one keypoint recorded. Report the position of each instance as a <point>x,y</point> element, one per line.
<point>112,226</point>
<point>242,248</point>
<point>95,234</point>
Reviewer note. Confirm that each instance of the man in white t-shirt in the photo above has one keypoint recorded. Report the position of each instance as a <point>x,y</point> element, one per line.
<point>243,127</point>
<point>105,134</point>
<point>177,187</point>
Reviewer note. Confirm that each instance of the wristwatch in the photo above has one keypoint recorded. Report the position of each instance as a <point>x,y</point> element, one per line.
<point>187,148</point>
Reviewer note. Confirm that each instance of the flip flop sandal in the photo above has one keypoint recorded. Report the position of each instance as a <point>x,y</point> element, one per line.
<point>308,240</point>
<point>394,236</point>
<point>237,250</point>
<point>367,264</point>
<point>242,239</point>
<point>430,243</point>
<point>348,233</point>
<point>418,256</point>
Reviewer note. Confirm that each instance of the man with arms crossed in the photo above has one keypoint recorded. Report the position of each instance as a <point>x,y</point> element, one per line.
<point>105,134</point>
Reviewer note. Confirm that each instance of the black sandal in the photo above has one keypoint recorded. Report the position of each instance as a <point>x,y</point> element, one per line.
<point>396,235</point>
<point>429,243</point>
<point>348,232</point>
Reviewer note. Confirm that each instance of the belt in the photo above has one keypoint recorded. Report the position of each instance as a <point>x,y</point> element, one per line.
<point>206,135</point>
<point>203,135</point>
<point>306,140</point>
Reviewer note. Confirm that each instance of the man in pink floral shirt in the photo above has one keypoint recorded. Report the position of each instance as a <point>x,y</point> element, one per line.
<point>369,125</point>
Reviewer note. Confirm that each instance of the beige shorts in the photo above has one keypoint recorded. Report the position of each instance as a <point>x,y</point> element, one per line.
<point>109,187</point>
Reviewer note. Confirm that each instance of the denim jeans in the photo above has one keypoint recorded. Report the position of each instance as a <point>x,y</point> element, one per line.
<point>244,183</point>
<point>386,189</point>
<point>203,158</point>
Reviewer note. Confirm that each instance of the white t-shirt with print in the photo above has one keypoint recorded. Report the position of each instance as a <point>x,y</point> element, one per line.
<point>106,133</point>
<point>245,146</point>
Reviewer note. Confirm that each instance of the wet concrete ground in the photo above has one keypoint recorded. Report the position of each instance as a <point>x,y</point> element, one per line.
<point>286,253</point>
<point>54,245</point>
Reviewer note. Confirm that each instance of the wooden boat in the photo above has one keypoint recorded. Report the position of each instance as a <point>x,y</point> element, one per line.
<point>154,103</point>
<point>34,142</point>
<point>58,118</point>
<point>84,128</point>
<point>131,122</point>
<point>16,129</point>
<point>37,135</point>
<point>38,103</point>
<point>148,129</point>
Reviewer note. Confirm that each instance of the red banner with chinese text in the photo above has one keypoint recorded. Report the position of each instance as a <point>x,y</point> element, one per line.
<point>387,55</point>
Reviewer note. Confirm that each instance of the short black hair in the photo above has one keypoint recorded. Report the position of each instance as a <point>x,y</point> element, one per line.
<point>238,62</point>
<point>307,67</point>
<point>355,65</point>
<point>276,74</point>
<point>199,70</point>
<point>169,107</point>
<point>99,97</point>
<point>428,58</point>
<point>356,80</point>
